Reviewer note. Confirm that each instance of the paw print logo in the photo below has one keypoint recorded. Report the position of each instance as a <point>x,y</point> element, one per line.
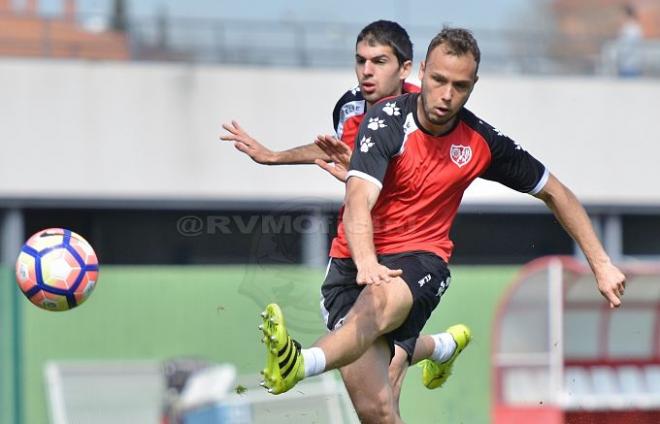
<point>365,144</point>
<point>499,132</point>
<point>375,123</point>
<point>355,90</point>
<point>391,109</point>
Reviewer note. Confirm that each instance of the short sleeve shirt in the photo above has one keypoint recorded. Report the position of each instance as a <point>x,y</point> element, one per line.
<point>423,177</point>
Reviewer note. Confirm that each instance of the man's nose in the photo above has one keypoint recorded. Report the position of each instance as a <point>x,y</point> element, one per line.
<point>368,68</point>
<point>447,93</point>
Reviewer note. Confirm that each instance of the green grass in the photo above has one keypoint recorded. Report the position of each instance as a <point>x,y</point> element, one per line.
<point>471,300</point>
<point>212,312</point>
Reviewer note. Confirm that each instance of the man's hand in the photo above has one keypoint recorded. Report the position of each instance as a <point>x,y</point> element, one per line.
<point>248,145</point>
<point>611,283</point>
<point>338,152</point>
<point>375,273</point>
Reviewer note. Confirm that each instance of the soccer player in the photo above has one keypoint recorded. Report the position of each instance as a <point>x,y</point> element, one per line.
<point>383,61</point>
<point>389,260</point>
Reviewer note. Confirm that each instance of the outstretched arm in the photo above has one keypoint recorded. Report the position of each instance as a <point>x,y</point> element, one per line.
<point>572,216</point>
<point>259,153</point>
<point>361,196</point>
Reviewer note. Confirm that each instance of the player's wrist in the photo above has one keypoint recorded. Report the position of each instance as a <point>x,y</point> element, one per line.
<point>601,266</point>
<point>365,261</point>
<point>272,158</point>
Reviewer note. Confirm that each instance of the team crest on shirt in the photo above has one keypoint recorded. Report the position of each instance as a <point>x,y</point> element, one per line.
<point>460,155</point>
<point>365,144</point>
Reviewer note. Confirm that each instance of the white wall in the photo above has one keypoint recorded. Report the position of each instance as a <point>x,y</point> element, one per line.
<point>115,130</point>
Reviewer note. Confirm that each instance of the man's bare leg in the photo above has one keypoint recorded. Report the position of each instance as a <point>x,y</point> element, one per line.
<point>397,372</point>
<point>424,349</point>
<point>368,385</point>
<point>379,309</point>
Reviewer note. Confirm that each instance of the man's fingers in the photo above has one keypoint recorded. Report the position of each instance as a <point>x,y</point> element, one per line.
<point>395,272</point>
<point>329,144</point>
<point>331,139</point>
<point>390,274</point>
<point>328,150</point>
<point>242,147</point>
<point>323,145</point>
<point>336,144</point>
<point>337,172</point>
<point>615,302</point>
<point>231,130</point>
<point>235,124</point>
<point>325,166</point>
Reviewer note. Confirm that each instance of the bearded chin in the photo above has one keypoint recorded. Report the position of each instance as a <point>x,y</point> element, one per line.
<point>438,120</point>
<point>435,120</point>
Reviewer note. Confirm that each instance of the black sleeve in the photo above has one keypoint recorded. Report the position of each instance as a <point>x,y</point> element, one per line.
<point>510,164</point>
<point>379,139</point>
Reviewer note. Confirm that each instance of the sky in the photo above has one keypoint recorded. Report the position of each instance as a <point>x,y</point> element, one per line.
<point>474,14</point>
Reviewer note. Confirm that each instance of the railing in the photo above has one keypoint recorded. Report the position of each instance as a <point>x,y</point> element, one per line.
<point>294,44</point>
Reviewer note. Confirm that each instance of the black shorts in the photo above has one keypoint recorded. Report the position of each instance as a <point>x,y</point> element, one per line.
<point>425,273</point>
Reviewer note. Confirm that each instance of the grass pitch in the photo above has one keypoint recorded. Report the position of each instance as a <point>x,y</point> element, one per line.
<point>212,312</point>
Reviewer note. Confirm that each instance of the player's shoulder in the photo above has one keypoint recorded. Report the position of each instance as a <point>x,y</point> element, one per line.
<point>350,104</point>
<point>349,97</point>
<point>394,108</point>
<point>477,124</point>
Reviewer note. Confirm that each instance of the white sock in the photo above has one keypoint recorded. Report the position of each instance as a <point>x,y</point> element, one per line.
<point>444,347</point>
<point>314,361</point>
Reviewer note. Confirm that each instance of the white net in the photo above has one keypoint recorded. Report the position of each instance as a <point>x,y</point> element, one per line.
<point>132,392</point>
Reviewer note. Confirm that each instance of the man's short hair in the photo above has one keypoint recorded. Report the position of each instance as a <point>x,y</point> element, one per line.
<point>391,34</point>
<point>457,41</point>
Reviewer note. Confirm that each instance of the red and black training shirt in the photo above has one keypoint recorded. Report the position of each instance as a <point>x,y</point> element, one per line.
<point>422,177</point>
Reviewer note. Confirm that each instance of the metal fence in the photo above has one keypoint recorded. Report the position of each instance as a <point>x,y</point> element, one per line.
<point>317,44</point>
<point>326,44</point>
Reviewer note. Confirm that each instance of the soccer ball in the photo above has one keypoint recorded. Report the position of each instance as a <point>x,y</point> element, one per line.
<point>57,269</point>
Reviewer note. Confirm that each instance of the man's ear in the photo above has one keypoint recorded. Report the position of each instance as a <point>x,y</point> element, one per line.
<point>405,70</point>
<point>422,66</point>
